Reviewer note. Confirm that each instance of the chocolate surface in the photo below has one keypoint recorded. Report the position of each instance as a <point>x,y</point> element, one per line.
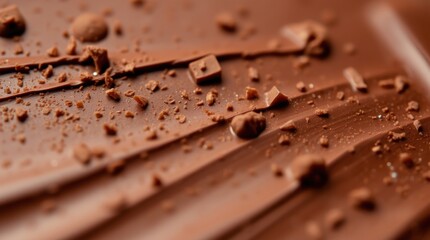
<point>121,124</point>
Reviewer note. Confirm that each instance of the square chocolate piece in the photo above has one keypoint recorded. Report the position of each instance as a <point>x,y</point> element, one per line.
<point>205,70</point>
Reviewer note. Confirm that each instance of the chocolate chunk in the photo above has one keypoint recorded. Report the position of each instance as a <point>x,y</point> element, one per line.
<point>89,27</point>
<point>21,114</point>
<point>274,97</point>
<point>113,94</point>
<point>110,129</point>
<point>205,70</point>
<point>156,181</point>
<point>71,46</point>
<point>251,93</point>
<point>355,79</point>
<point>309,35</point>
<point>413,106</point>
<point>98,55</point>
<point>310,170</point>
<point>276,170</point>
<point>362,198</point>
<point>62,77</point>
<point>12,23</point>
<point>226,22</point>
<point>400,84</point>
<point>211,97</point>
<point>141,101</point>
<point>288,126</point>
<point>253,74</point>
<point>82,153</point>
<point>396,137</point>
<point>301,86</point>
<point>152,85</point>
<point>53,52</point>
<point>324,142</point>
<point>335,218</point>
<point>407,160</point>
<point>48,71</point>
<point>248,125</point>
<point>284,139</point>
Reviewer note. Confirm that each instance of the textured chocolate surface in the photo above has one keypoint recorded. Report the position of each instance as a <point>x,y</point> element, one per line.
<point>106,132</point>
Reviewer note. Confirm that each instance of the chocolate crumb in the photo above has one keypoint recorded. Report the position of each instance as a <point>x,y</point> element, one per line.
<point>355,79</point>
<point>226,22</point>
<point>274,97</point>
<point>12,23</point>
<point>115,167</point>
<point>284,139</point>
<point>335,218</point>
<point>21,114</point>
<point>251,93</point>
<point>324,142</point>
<point>110,129</point>
<point>400,84</point>
<point>313,230</point>
<point>89,27</point>
<point>253,74</point>
<point>413,106</point>
<point>301,86</point>
<point>362,198</point>
<point>62,77</point>
<point>322,113</point>
<point>82,153</point>
<point>386,83</point>
<point>248,125</point>
<point>210,73</point>
<point>288,126</point>
<point>406,159</point>
<point>71,46</point>
<point>152,85</point>
<point>113,94</point>
<point>53,52</point>
<point>156,181</point>
<point>48,71</point>
<point>211,97</point>
<point>418,126</point>
<point>340,95</point>
<point>310,170</point>
<point>276,170</point>
<point>141,101</point>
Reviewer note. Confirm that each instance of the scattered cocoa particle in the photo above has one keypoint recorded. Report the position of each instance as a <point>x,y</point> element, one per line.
<point>349,48</point>
<point>21,114</point>
<point>226,22</point>
<point>48,71</point>
<point>141,101</point>
<point>284,139</point>
<point>115,167</point>
<point>288,126</point>
<point>151,135</point>
<point>340,95</point>
<point>82,153</point>
<point>407,160</point>
<point>229,107</point>
<point>276,170</point>
<point>310,170</point>
<point>324,142</point>
<point>396,137</point>
<point>301,86</point>
<point>89,27</point>
<point>355,79</point>
<point>156,181</point>
<point>12,22</point>
<point>275,97</point>
<point>248,125</point>
<point>413,106</point>
<point>322,113</point>
<point>253,74</point>
<point>117,28</point>
<point>171,73</point>
<point>418,126</point>
<point>211,97</point>
<point>53,52</point>
<point>110,129</point>
<point>113,94</point>
<point>62,77</point>
<point>129,114</point>
<point>400,84</point>
<point>362,198</point>
<point>18,49</point>
<point>335,218</point>
<point>86,77</point>
<point>152,85</point>
<point>98,114</point>
<point>71,46</point>
<point>251,93</point>
<point>377,149</point>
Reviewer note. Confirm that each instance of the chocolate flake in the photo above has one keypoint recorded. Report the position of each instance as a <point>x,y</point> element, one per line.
<point>113,94</point>
<point>53,52</point>
<point>251,93</point>
<point>355,79</point>
<point>12,23</point>
<point>248,125</point>
<point>152,85</point>
<point>62,77</point>
<point>284,139</point>
<point>362,198</point>
<point>89,27</point>
<point>141,101</point>
<point>48,71</point>
<point>310,170</point>
<point>21,114</point>
<point>274,97</point>
<point>209,74</point>
<point>418,126</point>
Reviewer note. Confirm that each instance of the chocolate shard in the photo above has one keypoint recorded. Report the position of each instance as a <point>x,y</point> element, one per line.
<point>248,125</point>
<point>98,55</point>
<point>205,70</point>
<point>355,79</point>
<point>310,170</point>
<point>309,35</point>
<point>12,23</point>
<point>89,27</point>
<point>274,97</point>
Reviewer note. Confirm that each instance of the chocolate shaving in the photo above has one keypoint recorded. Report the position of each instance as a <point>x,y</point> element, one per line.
<point>355,79</point>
